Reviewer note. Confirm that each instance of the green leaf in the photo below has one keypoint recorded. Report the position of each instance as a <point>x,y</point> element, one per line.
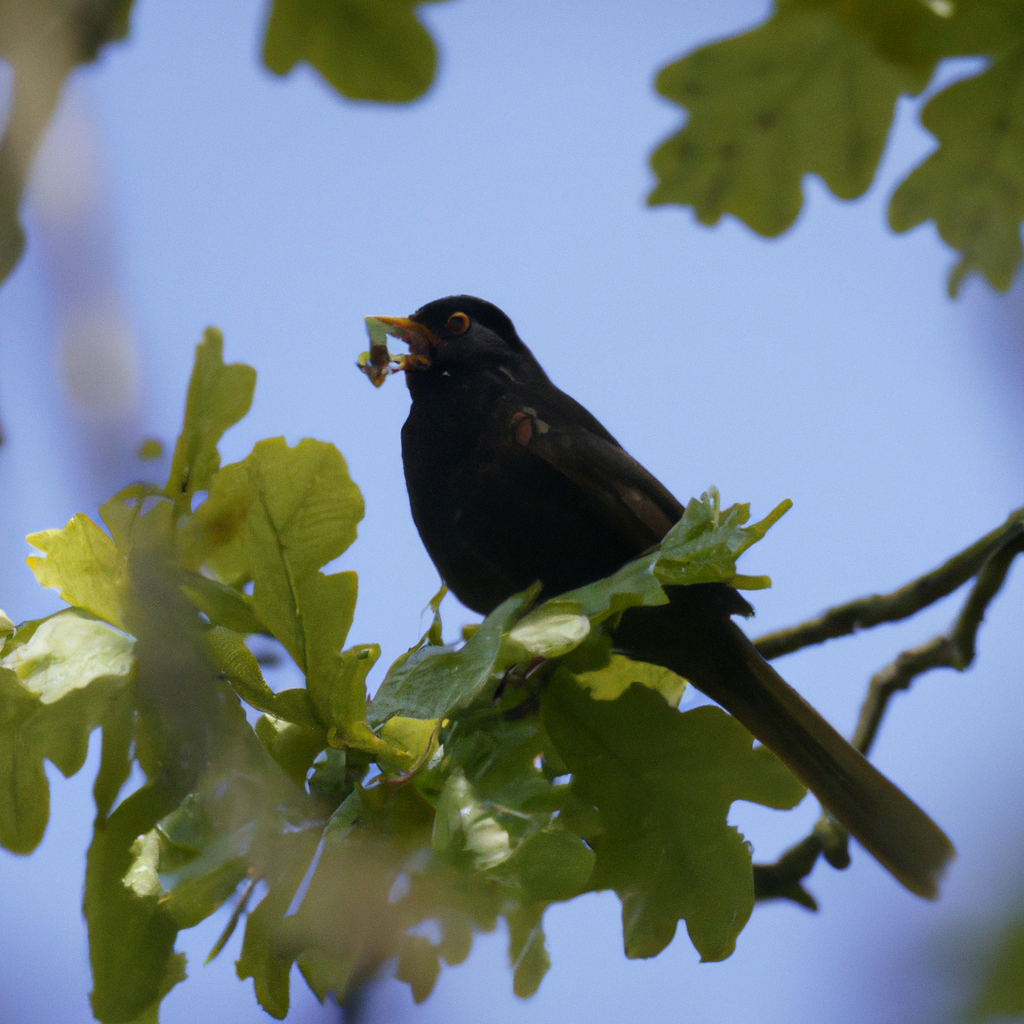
<point>634,585</point>
<point>68,652</point>
<point>303,511</point>
<point>366,49</point>
<point>41,43</point>
<point>802,93</point>
<point>293,747</point>
<point>704,545</point>
<point>611,681</point>
<point>462,823</point>
<point>419,965</point>
<point>218,397</point>
<point>116,754</point>
<point>527,952</point>
<point>662,782</point>
<point>972,186</point>
<point>260,960</point>
<point>229,653</point>
<point>131,936</point>
<point>552,864</point>
<point>85,565</point>
<point>151,448</point>
<point>1002,990</point>
<point>214,535</point>
<point>435,682</point>
<point>221,604</point>
<point>553,629</point>
<point>411,744</point>
<point>68,676</point>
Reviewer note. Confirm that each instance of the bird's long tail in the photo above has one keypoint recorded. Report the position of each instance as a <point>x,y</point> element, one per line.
<point>696,639</point>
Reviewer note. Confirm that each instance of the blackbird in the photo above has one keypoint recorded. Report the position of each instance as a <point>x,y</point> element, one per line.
<point>512,481</point>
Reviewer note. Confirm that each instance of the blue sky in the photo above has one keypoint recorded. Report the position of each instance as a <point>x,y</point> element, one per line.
<point>826,366</point>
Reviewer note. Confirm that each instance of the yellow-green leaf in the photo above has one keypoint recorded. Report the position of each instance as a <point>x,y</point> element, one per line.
<point>218,397</point>
<point>85,565</point>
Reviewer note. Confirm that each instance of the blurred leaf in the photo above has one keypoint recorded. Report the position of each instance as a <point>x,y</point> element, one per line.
<point>42,41</point>
<point>366,49</point>
<point>218,397</point>
<point>293,747</point>
<point>418,966</point>
<point>116,752</point>
<point>259,959</point>
<point>972,186</point>
<point>1002,990</point>
<point>802,93</point>
<point>214,535</point>
<point>526,949</point>
<point>151,448</point>
<point>221,604</point>
<point>436,681</point>
<point>663,783</point>
<point>85,565</point>
<point>462,823</point>
<point>131,936</point>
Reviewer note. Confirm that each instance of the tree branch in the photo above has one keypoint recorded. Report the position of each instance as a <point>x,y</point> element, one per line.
<point>870,611</point>
<point>954,649</point>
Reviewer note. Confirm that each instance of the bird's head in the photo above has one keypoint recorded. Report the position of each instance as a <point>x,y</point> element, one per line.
<point>459,333</point>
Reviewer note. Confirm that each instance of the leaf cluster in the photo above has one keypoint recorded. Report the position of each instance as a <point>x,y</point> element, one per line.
<point>813,90</point>
<point>483,782</point>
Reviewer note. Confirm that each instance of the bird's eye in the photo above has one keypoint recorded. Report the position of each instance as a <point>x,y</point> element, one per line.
<point>458,323</point>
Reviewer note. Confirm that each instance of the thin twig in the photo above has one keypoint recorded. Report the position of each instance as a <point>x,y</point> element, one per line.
<point>954,649</point>
<point>900,604</point>
<point>243,902</point>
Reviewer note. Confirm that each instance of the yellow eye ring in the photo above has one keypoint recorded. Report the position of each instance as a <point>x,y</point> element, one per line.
<point>458,323</point>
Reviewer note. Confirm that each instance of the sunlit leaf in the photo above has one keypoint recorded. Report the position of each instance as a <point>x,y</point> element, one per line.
<point>303,511</point>
<point>609,682</point>
<point>218,397</point>
<point>85,565</point>
<point>55,688</point>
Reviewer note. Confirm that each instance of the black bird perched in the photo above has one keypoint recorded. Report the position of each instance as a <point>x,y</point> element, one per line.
<point>512,481</point>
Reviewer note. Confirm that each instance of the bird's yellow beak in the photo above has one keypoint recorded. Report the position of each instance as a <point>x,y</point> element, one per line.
<point>419,338</point>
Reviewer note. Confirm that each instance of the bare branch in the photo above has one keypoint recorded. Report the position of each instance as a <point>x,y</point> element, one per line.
<point>954,649</point>
<point>900,604</point>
